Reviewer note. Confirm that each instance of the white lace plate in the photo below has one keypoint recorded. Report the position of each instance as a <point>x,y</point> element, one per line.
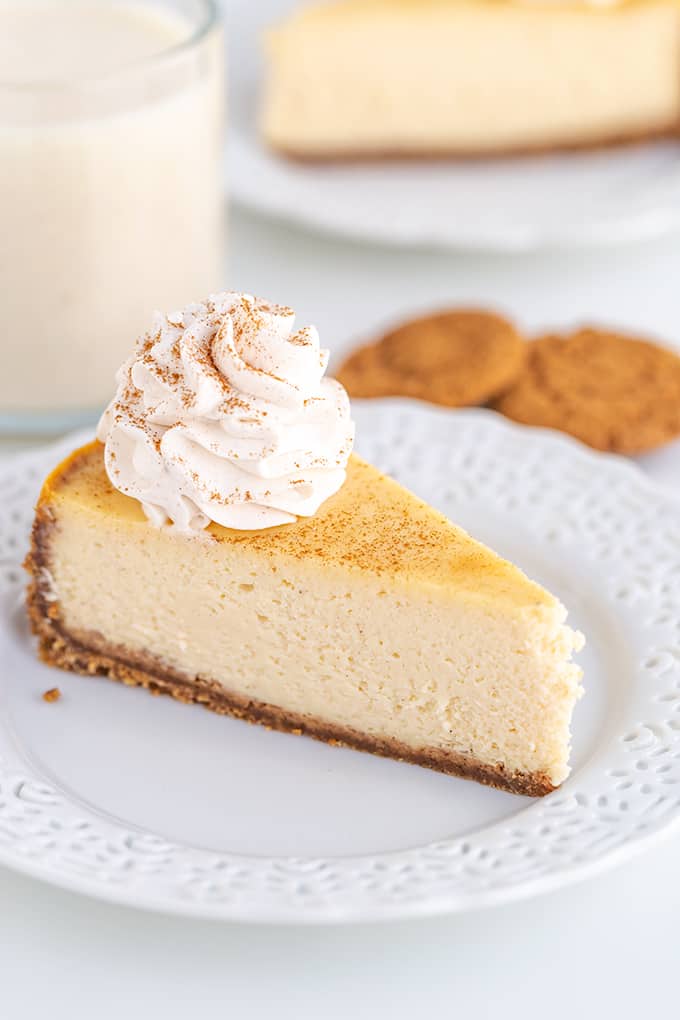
<point>147,802</point>
<point>597,198</point>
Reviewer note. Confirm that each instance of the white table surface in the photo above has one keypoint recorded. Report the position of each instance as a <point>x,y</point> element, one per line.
<point>608,947</point>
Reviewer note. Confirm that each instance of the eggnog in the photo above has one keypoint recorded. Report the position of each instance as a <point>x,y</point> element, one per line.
<point>110,188</point>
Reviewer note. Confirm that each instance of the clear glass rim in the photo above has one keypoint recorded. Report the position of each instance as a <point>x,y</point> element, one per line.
<point>210,19</point>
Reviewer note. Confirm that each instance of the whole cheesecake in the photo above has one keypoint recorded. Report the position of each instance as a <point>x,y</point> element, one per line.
<point>369,620</point>
<point>366,78</point>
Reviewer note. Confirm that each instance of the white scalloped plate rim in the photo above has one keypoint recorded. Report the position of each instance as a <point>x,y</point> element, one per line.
<point>428,880</point>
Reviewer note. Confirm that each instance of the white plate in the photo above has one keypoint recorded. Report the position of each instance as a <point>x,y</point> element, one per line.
<point>148,802</point>
<point>507,205</point>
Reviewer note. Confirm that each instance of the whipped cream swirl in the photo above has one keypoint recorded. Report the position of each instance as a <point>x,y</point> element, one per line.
<point>223,414</point>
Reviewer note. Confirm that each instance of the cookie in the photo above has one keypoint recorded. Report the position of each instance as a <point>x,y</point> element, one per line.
<point>456,358</point>
<point>611,391</point>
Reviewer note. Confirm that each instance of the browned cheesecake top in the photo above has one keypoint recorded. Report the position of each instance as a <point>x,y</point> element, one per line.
<point>372,524</point>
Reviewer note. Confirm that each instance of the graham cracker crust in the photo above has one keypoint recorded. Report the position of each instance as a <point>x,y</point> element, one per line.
<point>628,140</point>
<point>90,654</point>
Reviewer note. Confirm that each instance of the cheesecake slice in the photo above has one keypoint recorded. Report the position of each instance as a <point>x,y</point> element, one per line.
<point>375,623</point>
<point>366,78</point>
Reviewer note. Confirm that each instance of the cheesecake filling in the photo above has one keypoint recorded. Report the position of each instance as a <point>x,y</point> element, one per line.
<point>223,414</point>
<point>465,77</point>
<point>444,672</point>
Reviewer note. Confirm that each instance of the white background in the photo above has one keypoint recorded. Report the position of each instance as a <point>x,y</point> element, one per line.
<point>608,947</point>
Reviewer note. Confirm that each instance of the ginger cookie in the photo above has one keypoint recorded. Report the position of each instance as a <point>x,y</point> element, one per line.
<point>456,358</point>
<point>611,391</point>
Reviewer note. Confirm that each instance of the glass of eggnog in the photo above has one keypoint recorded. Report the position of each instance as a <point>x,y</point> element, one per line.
<point>111,190</point>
